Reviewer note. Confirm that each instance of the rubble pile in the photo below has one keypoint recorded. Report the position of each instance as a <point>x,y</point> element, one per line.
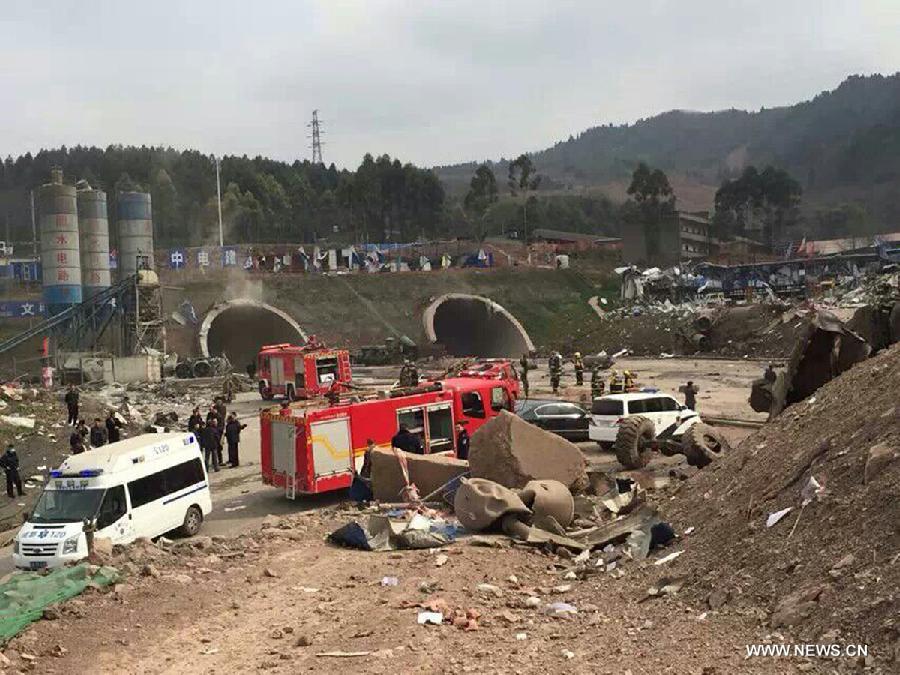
<point>800,523</point>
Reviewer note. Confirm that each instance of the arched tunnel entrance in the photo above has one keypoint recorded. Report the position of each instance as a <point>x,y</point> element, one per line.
<point>238,328</point>
<point>472,325</point>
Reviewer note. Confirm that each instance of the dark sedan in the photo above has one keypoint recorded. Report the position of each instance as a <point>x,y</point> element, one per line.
<point>559,417</point>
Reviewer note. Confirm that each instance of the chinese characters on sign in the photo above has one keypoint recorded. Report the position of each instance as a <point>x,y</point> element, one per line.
<point>176,258</point>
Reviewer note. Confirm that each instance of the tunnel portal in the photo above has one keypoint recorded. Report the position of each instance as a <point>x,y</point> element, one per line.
<point>238,328</point>
<point>472,325</point>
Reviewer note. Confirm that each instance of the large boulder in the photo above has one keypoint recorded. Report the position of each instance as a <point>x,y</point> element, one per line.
<point>427,472</point>
<point>513,452</point>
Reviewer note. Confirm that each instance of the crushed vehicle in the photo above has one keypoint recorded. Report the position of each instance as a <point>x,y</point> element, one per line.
<point>312,447</point>
<point>301,372</point>
<point>637,424</point>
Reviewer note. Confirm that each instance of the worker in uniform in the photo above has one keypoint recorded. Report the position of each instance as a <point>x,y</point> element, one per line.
<point>628,380</point>
<point>233,436</point>
<point>228,389</point>
<point>579,369</point>
<point>462,441</point>
<point>112,428</point>
<point>71,399</point>
<point>555,365</point>
<point>361,487</point>
<point>407,441</point>
<point>195,421</point>
<point>525,368</point>
<point>211,443</point>
<point>10,463</point>
<point>98,434</point>
<point>690,391</point>
<point>76,442</point>
<point>616,384</point>
<point>597,383</point>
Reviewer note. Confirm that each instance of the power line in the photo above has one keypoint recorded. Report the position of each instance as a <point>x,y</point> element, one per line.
<point>316,136</point>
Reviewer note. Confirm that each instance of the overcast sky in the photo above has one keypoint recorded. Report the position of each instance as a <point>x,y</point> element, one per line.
<point>432,82</point>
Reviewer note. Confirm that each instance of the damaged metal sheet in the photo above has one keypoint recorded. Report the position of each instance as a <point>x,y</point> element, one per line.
<point>825,348</point>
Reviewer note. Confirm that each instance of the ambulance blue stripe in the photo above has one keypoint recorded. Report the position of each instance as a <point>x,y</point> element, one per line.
<point>189,492</point>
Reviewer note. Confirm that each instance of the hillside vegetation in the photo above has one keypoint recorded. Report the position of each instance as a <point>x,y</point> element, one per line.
<point>843,147</point>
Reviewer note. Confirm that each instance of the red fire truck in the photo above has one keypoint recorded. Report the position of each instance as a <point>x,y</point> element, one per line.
<point>301,372</point>
<point>314,448</point>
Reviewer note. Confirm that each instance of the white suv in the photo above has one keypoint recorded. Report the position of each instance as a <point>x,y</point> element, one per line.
<point>609,411</point>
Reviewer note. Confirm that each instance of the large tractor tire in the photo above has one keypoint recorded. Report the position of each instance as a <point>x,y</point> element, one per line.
<point>703,444</point>
<point>634,432</point>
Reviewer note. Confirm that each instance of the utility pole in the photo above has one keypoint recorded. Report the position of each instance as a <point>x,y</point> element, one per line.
<point>33,228</point>
<point>219,199</point>
<point>316,136</point>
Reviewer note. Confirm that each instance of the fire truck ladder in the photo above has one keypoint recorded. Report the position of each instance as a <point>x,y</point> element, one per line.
<point>82,324</point>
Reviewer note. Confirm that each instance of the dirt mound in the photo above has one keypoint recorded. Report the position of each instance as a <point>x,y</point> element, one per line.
<point>826,572</point>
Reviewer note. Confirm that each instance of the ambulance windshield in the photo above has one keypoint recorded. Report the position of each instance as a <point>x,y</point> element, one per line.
<point>66,506</point>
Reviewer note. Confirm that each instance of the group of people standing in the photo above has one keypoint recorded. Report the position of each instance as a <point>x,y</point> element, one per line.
<point>555,365</point>
<point>211,430</point>
<point>98,434</point>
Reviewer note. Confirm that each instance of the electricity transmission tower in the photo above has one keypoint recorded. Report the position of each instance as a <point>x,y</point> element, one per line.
<point>316,138</point>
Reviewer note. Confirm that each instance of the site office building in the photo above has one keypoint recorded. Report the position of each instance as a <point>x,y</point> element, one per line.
<point>316,449</point>
<point>300,372</point>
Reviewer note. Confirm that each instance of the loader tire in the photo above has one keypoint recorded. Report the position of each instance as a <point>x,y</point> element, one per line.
<point>703,444</point>
<point>632,431</point>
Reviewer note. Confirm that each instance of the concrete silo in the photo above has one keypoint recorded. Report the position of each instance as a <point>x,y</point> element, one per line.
<point>135,223</point>
<point>60,258</point>
<point>93,226</point>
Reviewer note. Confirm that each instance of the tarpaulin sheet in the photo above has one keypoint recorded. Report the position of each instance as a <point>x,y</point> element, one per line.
<point>25,595</point>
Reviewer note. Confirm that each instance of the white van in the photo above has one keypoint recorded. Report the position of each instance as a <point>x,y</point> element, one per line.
<point>139,487</point>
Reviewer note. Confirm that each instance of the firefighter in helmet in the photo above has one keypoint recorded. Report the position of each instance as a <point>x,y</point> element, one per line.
<point>616,384</point>
<point>555,365</point>
<point>597,383</point>
<point>579,369</point>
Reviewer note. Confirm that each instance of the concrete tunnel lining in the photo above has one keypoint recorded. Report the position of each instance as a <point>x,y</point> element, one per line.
<point>473,325</point>
<point>239,327</point>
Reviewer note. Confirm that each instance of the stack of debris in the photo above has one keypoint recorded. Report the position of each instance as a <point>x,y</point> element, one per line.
<point>521,483</point>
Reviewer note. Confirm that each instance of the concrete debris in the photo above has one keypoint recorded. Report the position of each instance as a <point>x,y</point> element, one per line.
<point>879,457</point>
<point>427,472</point>
<point>549,498</point>
<point>796,607</point>
<point>480,503</point>
<point>18,421</point>
<point>512,452</point>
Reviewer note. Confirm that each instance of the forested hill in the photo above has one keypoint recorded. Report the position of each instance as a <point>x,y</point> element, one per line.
<point>842,146</point>
<point>262,199</point>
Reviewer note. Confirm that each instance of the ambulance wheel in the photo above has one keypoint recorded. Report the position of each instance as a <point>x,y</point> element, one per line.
<point>193,519</point>
<point>702,444</point>
<point>289,393</point>
<point>264,392</point>
<point>632,446</point>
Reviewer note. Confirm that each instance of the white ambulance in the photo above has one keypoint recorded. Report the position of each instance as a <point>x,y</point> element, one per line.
<point>139,487</point>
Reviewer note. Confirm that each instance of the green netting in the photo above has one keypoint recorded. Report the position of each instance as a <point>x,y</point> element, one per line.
<point>25,595</point>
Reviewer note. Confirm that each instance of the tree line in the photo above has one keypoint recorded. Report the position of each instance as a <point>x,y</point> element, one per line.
<point>265,200</point>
